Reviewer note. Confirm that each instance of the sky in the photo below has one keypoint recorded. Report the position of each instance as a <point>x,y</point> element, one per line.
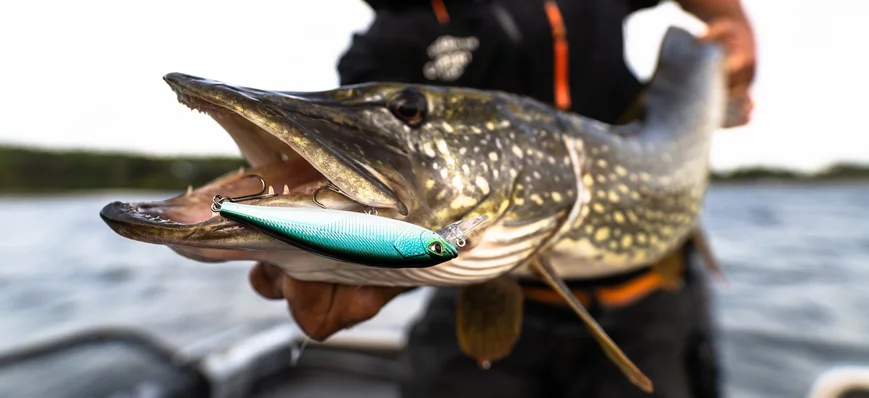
<point>88,74</point>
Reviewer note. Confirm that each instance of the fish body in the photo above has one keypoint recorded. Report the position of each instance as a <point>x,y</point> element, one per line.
<point>568,197</point>
<point>347,236</point>
<point>588,198</point>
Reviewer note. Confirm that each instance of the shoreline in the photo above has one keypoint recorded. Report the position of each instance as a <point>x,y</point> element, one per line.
<point>774,182</point>
<point>757,183</point>
<point>34,172</point>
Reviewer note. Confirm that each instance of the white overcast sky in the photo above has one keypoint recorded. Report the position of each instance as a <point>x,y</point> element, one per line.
<point>87,74</point>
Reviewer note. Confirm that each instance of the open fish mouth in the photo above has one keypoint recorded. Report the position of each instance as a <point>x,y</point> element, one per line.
<point>296,143</point>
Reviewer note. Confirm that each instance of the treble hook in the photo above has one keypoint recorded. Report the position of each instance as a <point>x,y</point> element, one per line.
<point>218,199</point>
<point>330,186</point>
<point>461,238</point>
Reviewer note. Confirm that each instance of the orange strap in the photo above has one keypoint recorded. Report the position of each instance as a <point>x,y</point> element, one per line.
<point>609,297</point>
<point>559,44</point>
<point>440,11</point>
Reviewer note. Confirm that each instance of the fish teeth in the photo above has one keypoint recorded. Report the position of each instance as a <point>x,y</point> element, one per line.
<point>241,170</point>
<point>286,190</point>
<point>271,190</point>
<point>189,190</point>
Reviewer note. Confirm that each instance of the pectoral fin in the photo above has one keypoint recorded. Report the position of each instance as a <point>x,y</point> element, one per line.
<point>612,351</point>
<point>489,319</point>
<point>670,269</point>
<point>701,243</point>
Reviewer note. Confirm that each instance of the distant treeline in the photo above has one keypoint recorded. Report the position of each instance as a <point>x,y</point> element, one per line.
<point>27,170</point>
<point>836,172</point>
<point>35,170</point>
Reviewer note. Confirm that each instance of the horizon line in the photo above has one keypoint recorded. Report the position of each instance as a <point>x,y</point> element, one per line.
<point>9,144</point>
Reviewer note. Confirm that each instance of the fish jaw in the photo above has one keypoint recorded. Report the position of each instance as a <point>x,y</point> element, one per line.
<point>271,126</point>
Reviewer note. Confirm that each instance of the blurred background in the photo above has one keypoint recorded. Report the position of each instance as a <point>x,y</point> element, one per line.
<point>87,119</point>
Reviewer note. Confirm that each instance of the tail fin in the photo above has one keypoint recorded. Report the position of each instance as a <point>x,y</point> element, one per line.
<point>688,89</point>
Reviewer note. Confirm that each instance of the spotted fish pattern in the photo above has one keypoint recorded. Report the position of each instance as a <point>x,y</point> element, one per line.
<point>586,198</point>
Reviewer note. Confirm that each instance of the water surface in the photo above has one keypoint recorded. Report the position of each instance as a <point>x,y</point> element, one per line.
<point>797,302</point>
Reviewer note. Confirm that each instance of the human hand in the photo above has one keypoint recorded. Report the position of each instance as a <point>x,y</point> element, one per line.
<point>737,38</point>
<point>321,309</point>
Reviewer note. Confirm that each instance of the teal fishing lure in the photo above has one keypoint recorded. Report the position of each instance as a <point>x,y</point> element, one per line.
<point>354,237</point>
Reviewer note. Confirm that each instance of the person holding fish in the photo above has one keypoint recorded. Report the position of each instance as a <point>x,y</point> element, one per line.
<point>568,54</point>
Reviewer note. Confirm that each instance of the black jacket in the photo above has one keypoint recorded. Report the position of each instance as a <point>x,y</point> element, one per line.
<point>506,45</point>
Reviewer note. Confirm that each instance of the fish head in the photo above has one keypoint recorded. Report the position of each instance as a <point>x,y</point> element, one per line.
<point>402,150</point>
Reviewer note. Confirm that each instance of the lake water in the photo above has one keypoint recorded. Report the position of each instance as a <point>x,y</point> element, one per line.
<point>797,302</point>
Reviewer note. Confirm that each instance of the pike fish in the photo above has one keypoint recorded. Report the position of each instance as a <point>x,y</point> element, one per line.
<point>566,196</point>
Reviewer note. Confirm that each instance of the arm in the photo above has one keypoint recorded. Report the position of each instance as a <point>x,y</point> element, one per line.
<point>729,25</point>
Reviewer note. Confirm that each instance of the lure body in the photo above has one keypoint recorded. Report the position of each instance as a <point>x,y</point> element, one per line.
<point>347,236</point>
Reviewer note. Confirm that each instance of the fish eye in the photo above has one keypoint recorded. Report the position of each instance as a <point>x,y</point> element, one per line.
<point>409,106</point>
<point>436,247</point>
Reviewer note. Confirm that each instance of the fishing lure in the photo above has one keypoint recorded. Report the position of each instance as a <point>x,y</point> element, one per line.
<point>351,236</point>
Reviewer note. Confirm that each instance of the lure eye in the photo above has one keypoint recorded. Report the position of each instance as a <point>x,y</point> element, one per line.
<point>409,106</point>
<point>436,248</point>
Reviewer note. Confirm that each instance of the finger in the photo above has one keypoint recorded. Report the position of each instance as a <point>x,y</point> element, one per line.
<point>323,309</point>
<point>740,62</point>
<point>741,72</point>
<point>724,33</point>
<point>360,304</point>
<point>311,305</point>
<point>718,30</point>
<point>264,281</point>
<point>740,66</point>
